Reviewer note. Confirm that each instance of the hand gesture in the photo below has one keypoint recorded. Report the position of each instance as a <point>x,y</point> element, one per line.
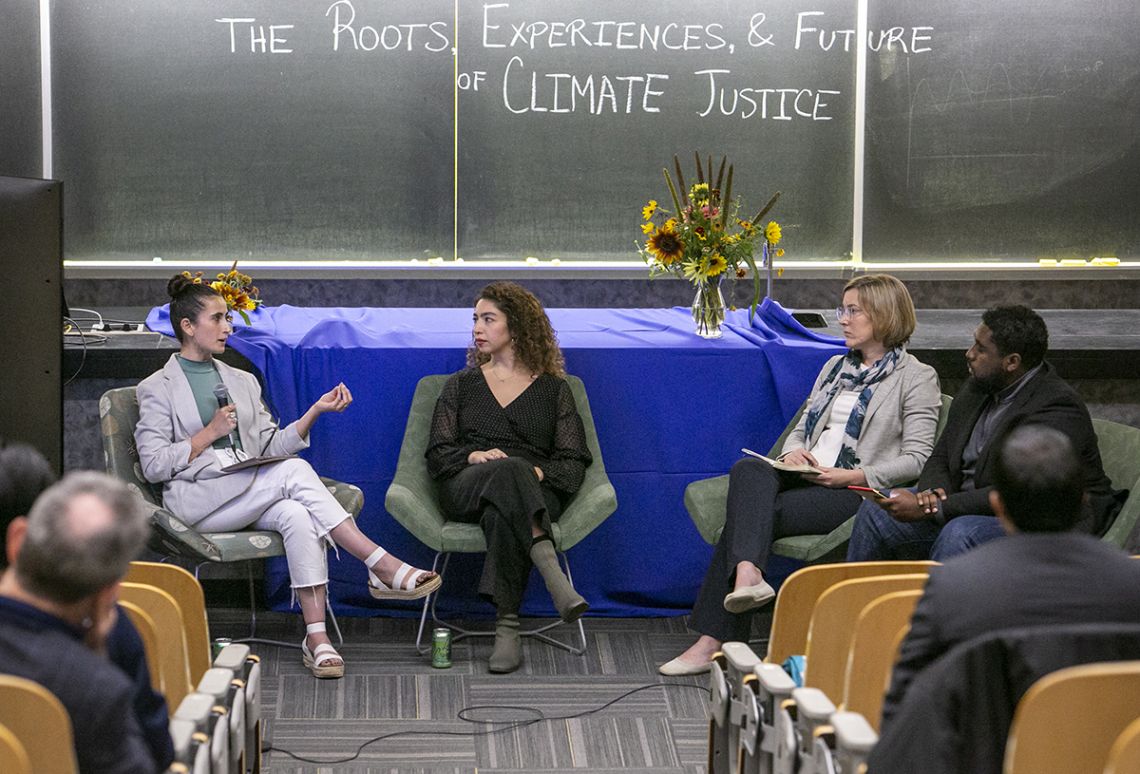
<point>479,457</point>
<point>903,505</point>
<point>834,478</point>
<point>337,399</point>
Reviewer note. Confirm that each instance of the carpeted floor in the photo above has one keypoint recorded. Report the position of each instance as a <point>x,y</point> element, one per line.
<point>550,716</point>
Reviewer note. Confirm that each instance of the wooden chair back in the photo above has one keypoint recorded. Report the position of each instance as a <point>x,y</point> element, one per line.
<point>148,633</point>
<point>1124,757</point>
<point>187,592</point>
<point>1068,721</point>
<point>799,593</point>
<point>13,757</point>
<point>38,720</point>
<point>874,651</point>
<point>170,637</point>
<point>833,622</point>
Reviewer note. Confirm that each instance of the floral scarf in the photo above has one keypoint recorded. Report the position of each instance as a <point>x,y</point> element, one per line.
<point>845,375</point>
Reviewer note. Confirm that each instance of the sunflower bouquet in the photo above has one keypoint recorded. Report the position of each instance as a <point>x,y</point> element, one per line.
<point>241,295</point>
<point>703,239</point>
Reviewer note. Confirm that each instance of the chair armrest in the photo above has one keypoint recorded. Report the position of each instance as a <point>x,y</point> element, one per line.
<point>170,535</point>
<point>417,512</point>
<point>707,501</point>
<point>590,507</point>
<point>349,496</point>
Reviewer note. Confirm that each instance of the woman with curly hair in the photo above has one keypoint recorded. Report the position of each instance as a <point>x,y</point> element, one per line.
<point>508,449</point>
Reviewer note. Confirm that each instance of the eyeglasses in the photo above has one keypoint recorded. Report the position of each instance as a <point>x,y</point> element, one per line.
<point>843,312</point>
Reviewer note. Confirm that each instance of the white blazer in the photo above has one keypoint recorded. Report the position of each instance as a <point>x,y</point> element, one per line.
<point>168,417</point>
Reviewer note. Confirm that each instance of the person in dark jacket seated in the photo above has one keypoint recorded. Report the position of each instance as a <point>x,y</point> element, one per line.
<point>57,605</point>
<point>1044,574</point>
<point>24,474</point>
<point>1010,383</point>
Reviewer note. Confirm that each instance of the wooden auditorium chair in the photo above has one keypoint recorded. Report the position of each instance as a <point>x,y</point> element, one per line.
<point>187,592</point>
<point>39,721</point>
<point>874,650</point>
<point>412,501</point>
<point>1124,757</point>
<point>1068,721</point>
<point>13,757</point>
<point>170,637</point>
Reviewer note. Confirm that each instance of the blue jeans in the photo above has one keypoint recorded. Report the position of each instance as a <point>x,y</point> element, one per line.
<point>878,536</point>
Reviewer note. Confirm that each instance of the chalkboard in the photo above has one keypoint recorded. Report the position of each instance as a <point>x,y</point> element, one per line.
<point>1017,135</point>
<point>20,146</point>
<point>408,129</point>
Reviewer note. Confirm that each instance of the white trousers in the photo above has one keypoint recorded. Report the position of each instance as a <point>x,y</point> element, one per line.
<point>286,497</point>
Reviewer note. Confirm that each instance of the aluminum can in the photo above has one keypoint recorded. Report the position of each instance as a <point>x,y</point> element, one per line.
<point>219,645</point>
<point>441,648</point>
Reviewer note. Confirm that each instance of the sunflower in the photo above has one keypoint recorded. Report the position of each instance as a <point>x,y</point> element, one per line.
<point>748,226</point>
<point>647,228</point>
<point>665,245</point>
<point>772,232</point>
<point>717,264</point>
<point>648,210</point>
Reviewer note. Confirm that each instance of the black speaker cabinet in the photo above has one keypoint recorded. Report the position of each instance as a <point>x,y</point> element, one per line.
<point>31,338</point>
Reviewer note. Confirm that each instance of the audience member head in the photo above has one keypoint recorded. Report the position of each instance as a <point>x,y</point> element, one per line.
<point>531,336</point>
<point>24,474</point>
<point>1038,485</point>
<point>79,539</point>
<point>187,299</point>
<point>887,304</point>
<point>1010,341</point>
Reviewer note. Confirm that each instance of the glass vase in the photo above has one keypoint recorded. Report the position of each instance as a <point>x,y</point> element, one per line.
<point>708,309</point>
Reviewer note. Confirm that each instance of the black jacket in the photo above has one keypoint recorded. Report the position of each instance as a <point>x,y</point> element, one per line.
<point>1047,400</point>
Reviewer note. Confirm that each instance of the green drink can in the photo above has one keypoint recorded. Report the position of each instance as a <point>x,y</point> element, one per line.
<point>219,645</point>
<point>441,648</point>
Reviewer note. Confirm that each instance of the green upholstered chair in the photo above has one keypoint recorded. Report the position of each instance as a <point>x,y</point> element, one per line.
<point>707,499</point>
<point>1120,454</point>
<point>412,500</point>
<point>172,537</point>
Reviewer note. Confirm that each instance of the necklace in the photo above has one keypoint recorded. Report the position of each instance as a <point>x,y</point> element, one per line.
<point>502,379</point>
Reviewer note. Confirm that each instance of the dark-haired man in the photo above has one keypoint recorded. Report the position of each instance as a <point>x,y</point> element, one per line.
<point>1010,383</point>
<point>1043,574</point>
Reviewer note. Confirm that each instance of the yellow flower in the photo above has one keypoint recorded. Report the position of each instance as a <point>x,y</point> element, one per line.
<point>648,210</point>
<point>748,226</point>
<point>699,193</point>
<point>772,232</point>
<point>717,264</point>
<point>779,252</point>
<point>670,225</point>
<point>647,228</point>
<point>666,246</point>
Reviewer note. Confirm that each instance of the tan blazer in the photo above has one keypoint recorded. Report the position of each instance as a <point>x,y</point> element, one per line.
<point>898,428</point>
<point>168,417</point>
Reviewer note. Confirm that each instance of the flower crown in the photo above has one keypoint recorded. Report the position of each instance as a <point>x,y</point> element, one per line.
<point>238,290</point>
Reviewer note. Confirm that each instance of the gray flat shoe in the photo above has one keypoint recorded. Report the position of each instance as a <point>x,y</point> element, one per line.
<point>678,668</point>
<point>749,598</point>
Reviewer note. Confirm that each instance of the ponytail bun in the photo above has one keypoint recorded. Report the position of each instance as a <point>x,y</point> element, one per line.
<point>178,285</point>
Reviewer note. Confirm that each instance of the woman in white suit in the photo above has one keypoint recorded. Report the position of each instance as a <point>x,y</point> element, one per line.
<point>870,421</point>
<point>185,440</point>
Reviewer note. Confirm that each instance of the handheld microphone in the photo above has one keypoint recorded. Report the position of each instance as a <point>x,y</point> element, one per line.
<point>223,397</point>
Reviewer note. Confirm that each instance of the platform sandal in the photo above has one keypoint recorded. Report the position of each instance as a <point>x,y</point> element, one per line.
<point>317,661</point>
<point>405,583</point>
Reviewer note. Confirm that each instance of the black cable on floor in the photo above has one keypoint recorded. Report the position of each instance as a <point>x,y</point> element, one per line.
<point>537,716</point>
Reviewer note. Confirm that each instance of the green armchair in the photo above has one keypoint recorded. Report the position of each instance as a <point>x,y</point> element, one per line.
<point>172,537</point>
<point>1120,454</point>
<point>706,500</point>
<point>412,501</point>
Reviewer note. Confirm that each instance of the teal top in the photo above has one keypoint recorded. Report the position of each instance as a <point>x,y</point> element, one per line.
<point>203,378</point>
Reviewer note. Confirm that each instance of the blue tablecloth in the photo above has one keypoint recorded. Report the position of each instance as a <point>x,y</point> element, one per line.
<point>670,408</point>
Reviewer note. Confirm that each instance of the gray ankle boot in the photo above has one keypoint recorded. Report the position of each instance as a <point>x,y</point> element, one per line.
<point>567,601</point>
<point>507,654</point>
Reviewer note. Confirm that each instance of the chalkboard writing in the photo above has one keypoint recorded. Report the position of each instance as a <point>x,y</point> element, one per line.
<point>349,129</point>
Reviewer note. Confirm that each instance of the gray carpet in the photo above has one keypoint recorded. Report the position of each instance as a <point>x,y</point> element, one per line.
<point>389,689</point>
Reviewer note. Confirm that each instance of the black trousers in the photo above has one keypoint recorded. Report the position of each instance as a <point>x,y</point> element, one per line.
<point>763,505</point>
<point>504,497</point>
